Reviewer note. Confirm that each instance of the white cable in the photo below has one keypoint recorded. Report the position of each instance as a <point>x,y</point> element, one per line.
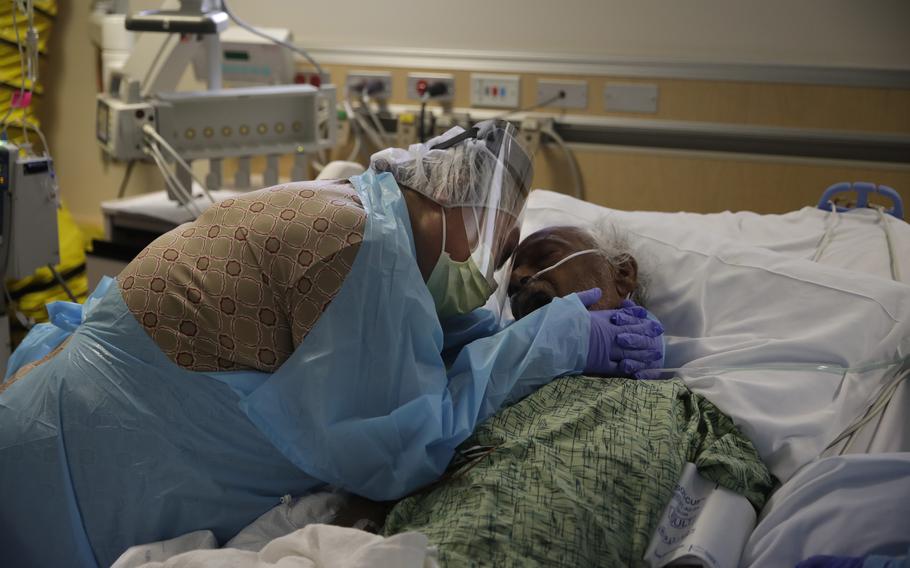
<point>266,36</point>
<point>885,221</point>
<point>37,129</point>
<point>321,162</point>
<point>29,126</point>
<point>541,104</point>
<point>570,158</point>
<point>23,319</point>
<point>879,405</point>
<point>170,179</point>
<point>354,128</point>
<point>355,150</point>
<point>563,261</point>
<point>177,189</point>
<point>150,131</point>
<point>881,402</point>
<point>22,73</point>
<point>165,46</point>
<point>31,42</point>
<point>364,127</point>
<point>365,100</point>
<point>832,220</point>
<point>47,154</point>
<point>161,142</point>
<point>174,184</point>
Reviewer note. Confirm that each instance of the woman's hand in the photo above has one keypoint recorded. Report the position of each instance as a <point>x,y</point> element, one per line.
<point>623,342</point>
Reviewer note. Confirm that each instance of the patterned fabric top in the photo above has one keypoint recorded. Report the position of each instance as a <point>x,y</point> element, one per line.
<point>581,472</point>
<point>240,287</point>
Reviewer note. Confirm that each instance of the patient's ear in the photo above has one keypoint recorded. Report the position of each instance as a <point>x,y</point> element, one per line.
<point>625,277</point>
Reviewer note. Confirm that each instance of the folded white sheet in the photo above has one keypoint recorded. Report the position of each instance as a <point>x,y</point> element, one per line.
<point>791,349</point>
<point>314,546</point>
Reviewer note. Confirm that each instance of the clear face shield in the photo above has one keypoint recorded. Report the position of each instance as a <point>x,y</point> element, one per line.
<point>489,179</point>
<point>480,177</point>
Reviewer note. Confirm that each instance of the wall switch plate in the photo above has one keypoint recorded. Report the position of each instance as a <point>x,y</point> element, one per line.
<point>419,82</point>
<point>379,83</point>
<point>630,97</point>
<point>576,93</point>
<point>499,91</point>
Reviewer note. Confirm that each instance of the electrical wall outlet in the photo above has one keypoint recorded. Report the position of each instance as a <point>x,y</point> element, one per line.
<point>312,78</point>
<point>575,94</point>
<point>420,83</point>
<point>499,91</point>
<point>377,84</point>
<point>630,97</point>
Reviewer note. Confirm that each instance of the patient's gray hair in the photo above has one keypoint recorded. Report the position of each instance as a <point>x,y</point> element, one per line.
<point>615,245</point>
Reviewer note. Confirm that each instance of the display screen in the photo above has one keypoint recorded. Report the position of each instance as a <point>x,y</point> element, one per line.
<point>236,55</point>
<point>103,123</point>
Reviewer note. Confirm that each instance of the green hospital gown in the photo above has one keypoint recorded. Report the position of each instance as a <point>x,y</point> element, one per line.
<point>582,471</point>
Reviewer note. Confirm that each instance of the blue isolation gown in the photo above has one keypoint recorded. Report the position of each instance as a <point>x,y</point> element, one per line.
<point>110,444</point>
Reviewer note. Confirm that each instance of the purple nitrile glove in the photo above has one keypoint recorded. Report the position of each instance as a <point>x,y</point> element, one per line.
<point>825,561</point>
<point>623,342</point>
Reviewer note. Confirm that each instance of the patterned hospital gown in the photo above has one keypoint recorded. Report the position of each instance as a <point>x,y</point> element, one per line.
<point>240,287</point>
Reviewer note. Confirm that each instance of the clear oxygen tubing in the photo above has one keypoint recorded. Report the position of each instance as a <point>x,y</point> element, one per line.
<point>162,143</point>
<point>878,403</point>
<point>885,222</point>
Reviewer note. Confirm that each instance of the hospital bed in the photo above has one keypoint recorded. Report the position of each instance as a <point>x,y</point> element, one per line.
<point>797,327</point>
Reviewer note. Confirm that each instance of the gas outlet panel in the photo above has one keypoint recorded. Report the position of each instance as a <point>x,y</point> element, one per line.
<point>421,83</point>
<point>498,91</point>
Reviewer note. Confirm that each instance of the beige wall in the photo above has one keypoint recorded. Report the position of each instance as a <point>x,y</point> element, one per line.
<point>727,102</point>
<point>635,179</point>
<point>811,32</point>
<point>68,114</point>
<point>694,30</point>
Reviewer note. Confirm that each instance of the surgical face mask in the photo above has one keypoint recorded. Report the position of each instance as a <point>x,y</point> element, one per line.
<point>457,287</point>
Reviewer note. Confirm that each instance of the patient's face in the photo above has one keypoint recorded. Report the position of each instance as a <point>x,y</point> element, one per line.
<point>547,247</point>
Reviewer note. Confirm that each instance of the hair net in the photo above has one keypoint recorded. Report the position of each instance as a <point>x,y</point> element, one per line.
<point>466,173</point>
<point>483,170</point>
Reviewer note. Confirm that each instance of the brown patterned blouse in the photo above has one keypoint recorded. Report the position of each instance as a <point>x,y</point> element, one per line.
<point>240,287</point>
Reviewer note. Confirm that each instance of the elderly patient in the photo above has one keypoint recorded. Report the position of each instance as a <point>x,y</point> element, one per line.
<point>557,261</point>
<point>594,261</point>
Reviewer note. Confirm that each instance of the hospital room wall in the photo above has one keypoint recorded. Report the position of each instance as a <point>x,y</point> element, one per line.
<point>620,177</point>
<point>67,111</point>
<point>808,32</point>
<point>669,180</point>
<point>666,180</point>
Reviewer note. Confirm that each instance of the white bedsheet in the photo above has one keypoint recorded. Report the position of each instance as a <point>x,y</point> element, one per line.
<point>846,505</point>
<point>857,239</point>
<point>792,350</point>
<point>314,546</point>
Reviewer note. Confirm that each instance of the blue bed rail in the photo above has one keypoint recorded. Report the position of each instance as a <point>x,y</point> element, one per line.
<point>862,189</point>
